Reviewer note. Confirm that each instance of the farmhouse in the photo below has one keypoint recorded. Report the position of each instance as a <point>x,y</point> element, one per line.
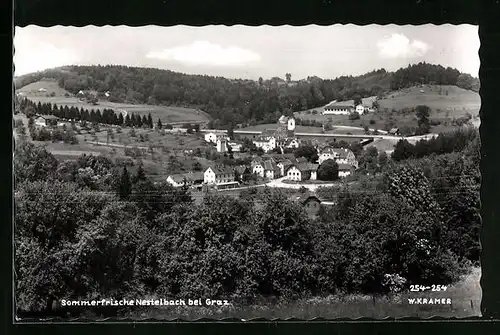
<point>337,109</point>
<point>221,177</point>
<point>345,170</point>
<point>310,202</point>
<point>361,109</point>
<point>221,145</point>
<point>242,171</point>
<point>257,167</point>
<point>267,143</point>
<point>190,179</point>
<point>212,137</point>
<point>271,170</point>
<point>340,155</point>
<point>284,165</point>
<point>46,120</point>
<point>302,171</point>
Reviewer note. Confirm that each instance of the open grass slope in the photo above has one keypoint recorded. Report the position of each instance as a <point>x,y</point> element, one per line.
<point>441,99</point>
<point>446,102</point>
<point>167,114</point>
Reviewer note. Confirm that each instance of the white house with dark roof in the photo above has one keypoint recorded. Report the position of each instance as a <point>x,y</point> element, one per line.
<point>192,178</point>
<point>218,175</point>
<point>345,170</point>
<point>267,143</point>
<point>271,170</point>
<point>338,109</point>
<point>340,155</point>
<point>302,171</point>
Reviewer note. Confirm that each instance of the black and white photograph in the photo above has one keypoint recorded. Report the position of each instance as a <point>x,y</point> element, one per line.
<point>246,172</point>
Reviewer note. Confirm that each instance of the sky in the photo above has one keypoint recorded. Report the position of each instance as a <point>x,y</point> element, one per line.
<point>250,52</point>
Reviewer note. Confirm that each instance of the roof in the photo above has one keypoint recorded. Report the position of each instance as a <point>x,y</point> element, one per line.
<point>304,167</point>
<point>49,117</point>
<point>193,176</point>
<point>286,163</point>
<point>342,152</point>
<point>240,169</point>
<point>221,170</point>
<point>301,160</point>
<point>304,197</point>
<point>338,106</point>
<point>269,165</point>
<point>345,167</point>
<point>283,119</point>
<point>268,132</point>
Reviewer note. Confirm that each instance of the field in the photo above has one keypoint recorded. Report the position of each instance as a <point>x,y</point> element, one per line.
<point>446,103</point>
<point>167,114</point>
<point>309,129</point>
<point>465,302</point>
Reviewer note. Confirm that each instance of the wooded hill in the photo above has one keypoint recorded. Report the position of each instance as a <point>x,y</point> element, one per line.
<point>233,101</point>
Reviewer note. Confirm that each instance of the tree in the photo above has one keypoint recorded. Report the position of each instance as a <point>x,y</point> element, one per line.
<point>423,113</point>
<point>288,77</point>
<point>140,175</point>
<point>357,100</point>
<point>307,151</point>
<point>261,81</point>
<point>32,163</point>
<point>150,120</point>
<point>197,166</point>
<point>159,124</point>
<point>125,186</point>
<point>328,170</point>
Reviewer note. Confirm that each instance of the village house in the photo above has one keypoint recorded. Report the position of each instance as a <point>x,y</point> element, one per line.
<point>340,155</point>
<point>337,109</point>
<point>221,145</point>
<point>212,137</point>
<point>221,177</point>
<point>46,120</point>
<point>345,170</point>
<point>235,147</point>
<point>302,171</point>
<point>267,143</point>
<point>258,168</point>
<point>310,202</point>
<point>241,171</point>
<point>271,170</point>
<point>360,109</point>
<point>284,165</point>
<point>190,179</point>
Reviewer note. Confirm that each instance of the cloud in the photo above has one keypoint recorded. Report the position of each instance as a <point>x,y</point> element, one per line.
<point>400,46</point>
<point>38,57</point>
<point>206,53</point>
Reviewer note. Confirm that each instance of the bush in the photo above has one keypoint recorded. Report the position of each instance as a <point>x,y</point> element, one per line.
<point>372,121</point>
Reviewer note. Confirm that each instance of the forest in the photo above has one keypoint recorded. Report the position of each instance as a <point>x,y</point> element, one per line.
<point>90,229</point>
<point>234,101</point>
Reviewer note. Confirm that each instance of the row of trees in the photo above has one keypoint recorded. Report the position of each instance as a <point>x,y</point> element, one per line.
<point>454,141</point>
<point>107,116</point>
<point>231,102</point>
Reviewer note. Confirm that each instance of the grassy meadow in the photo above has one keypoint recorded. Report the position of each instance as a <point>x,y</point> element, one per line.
<point>167,114</point>
<point>446,103</point>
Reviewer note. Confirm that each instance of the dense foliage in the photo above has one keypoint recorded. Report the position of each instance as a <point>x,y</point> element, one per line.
<point>454,141</point>
<point>90,229</point>
<point>233,101</point>
<point>424,73</point>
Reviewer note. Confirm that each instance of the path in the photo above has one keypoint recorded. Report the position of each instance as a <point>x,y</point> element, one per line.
<point>115,145</point>
<point>311,187</point>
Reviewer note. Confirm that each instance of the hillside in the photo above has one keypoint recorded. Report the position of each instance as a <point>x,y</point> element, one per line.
<point>230,101</point>
<point>446,101</point>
